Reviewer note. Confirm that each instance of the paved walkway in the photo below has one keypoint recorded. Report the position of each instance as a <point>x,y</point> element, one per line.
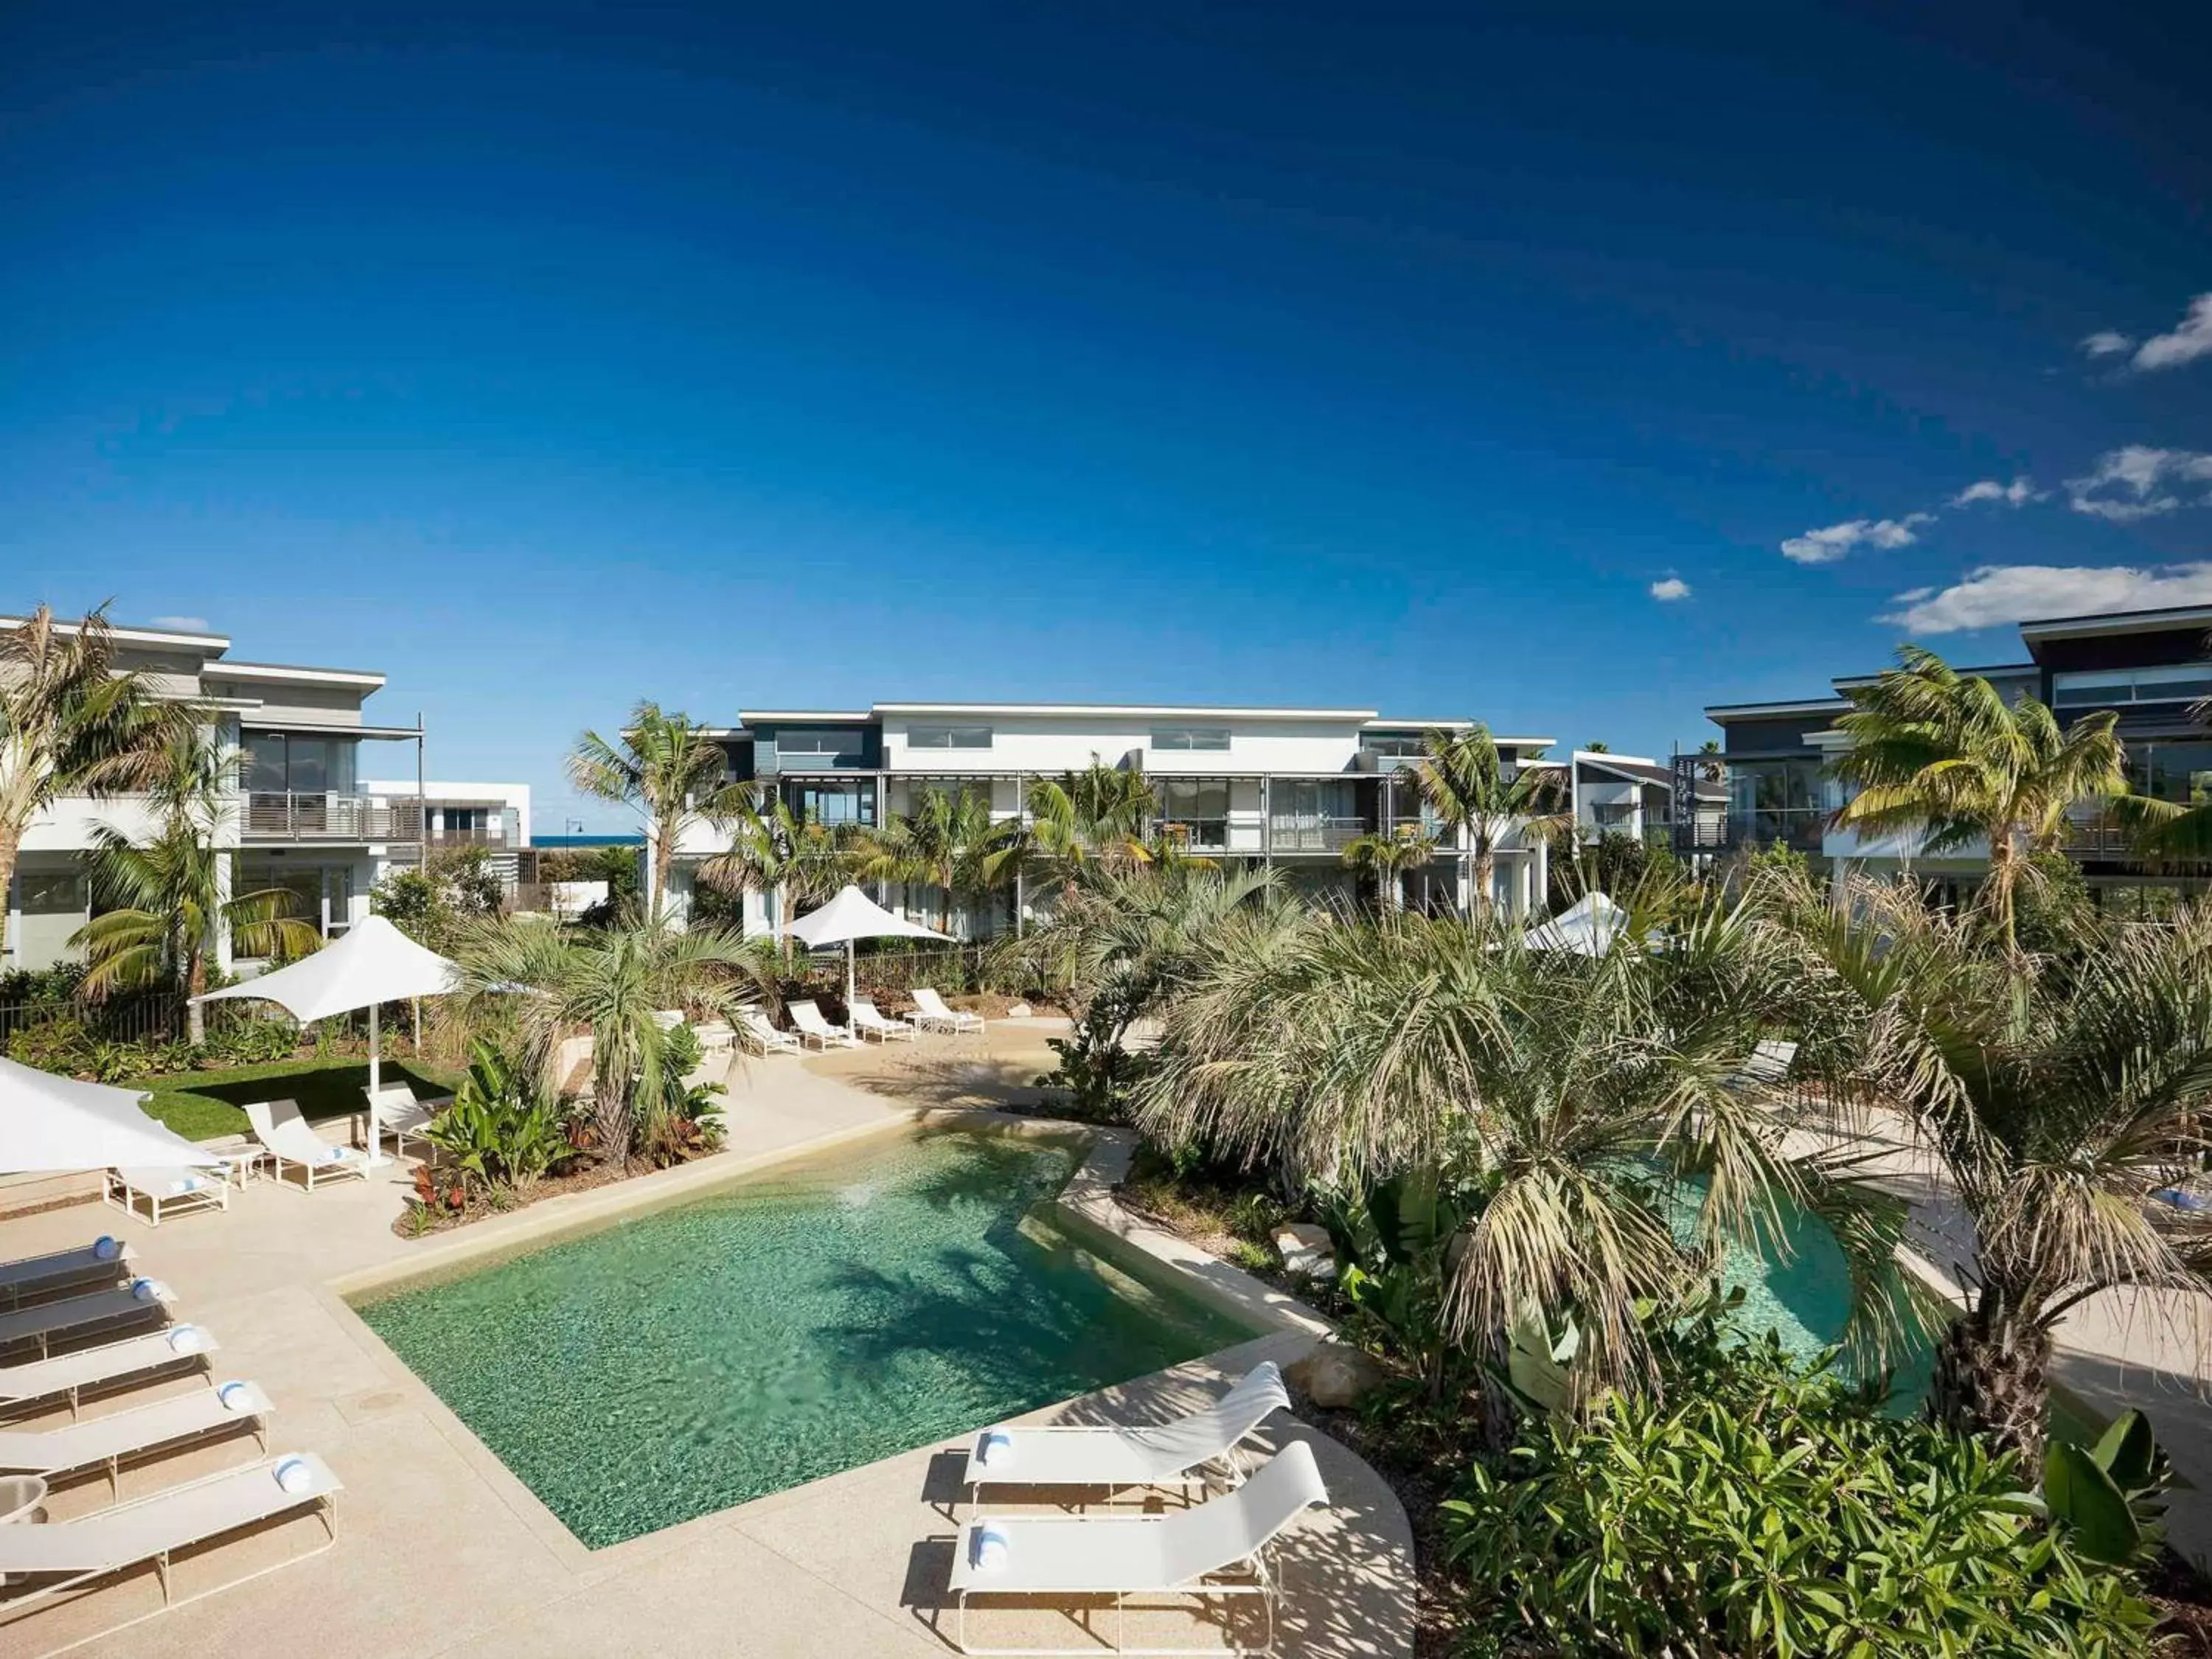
<point>441,1551</point>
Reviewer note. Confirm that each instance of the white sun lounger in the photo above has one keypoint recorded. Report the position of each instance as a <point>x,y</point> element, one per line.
<point>1177,1454</point>
<point>403,1117</point>
<point>869,1021</point>
<point>277,1125</point>
<point>818,1031</point>
<point>84,1268</point>
<point>79,1316</point>
<point>757,1033</point>
<point>166,1193</point>
<point>930,1014</point>
<point>1217,1548</point>
<point>109,1442</point>
<point>44,1560</point>
<point>71,1376</point>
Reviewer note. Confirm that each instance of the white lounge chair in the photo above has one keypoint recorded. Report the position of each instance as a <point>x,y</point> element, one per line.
<point>818,1031</point>
<point>88,1266</point>
<point>109,1442</point>
<point>758,1034</point>
<point>930,1014</point>
<point>402,1116</point>
<point>869,1021</point>
<point>716,1036</point>
<point>277,1125</point>
<point>1768,1064</point>
<point>44,1559</point>
<point>165,1193</point>
<point>1180,1453</point>
<point>1216,1549</point>
<point>72,1376</point>
<point>75,1316</point>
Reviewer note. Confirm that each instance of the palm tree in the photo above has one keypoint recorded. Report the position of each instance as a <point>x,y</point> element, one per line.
<point>610,983</point>
<point>772,850</point>
<point>1388,858</point>
<point>664,768</point>
<point>2056,1095</point>
<point>1711,767</point>
<point>160,897</point>
<point>1556,1096</point>
<point>1943,757</point>
<point>948,841</point>
<point>1089,819</point>
<point>1463,780</point>
<point>71,722</point>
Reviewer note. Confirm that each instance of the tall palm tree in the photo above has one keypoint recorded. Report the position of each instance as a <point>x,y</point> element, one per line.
<point>161,896</point>
<point>1943,757</point>
<point>2056,1095</point>
<point>1085,820</point>
<point>72,723</point>
<point>947,842</point>
<point>610,983</point>
<point>772,850</point>
<point>1388,858</point>
<point>1463,778</point>
<point>666,768</point>
<point>1556,1096</point>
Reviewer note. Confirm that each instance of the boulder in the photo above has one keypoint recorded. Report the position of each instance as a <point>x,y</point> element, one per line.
<point>1018,1010</point>
<point>1306,1250</point>
<point>1333,1377</point>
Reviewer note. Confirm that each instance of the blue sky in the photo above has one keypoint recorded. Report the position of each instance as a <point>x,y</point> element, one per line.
<point>548,359</point>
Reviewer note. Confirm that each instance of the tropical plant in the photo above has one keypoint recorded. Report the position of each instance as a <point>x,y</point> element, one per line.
<point>431,904</point>
<point>798,862</point>
<point>2057,1096</point>
<point>686,1119</point>
<point>664,768</point>
<point>1562,1097</point>
<point>160,896</point>
<point>1943,757</point>
<point>948,841</point>
<point>1762,1510</point>
<point>72,722</point>
<point>609,983</point>
<point>1466,783</point>
<point>1394,1244</point>
<point>1387,858</point>
<point>503,1129</point>
<point>1081,821</point>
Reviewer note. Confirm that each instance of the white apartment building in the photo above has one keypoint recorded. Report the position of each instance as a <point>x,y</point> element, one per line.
<point>304,815</point>
<point>1286,787</point>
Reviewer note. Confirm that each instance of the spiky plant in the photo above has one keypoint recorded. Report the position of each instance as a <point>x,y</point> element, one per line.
<point>663,768</point>
<point>1466,783</point>
<point>72,722</point>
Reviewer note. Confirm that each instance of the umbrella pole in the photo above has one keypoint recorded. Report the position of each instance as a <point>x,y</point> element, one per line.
<point>375,1139</point>
<point>848,985</point>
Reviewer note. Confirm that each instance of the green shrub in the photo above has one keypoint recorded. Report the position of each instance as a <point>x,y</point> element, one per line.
<point>1763,1509</point>
<point>501,1130</point>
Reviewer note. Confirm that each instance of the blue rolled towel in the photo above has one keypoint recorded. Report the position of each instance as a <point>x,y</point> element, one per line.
<point>989,1546</point>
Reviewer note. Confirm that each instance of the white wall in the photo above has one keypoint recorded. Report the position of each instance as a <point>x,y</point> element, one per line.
<point>1051,743</point>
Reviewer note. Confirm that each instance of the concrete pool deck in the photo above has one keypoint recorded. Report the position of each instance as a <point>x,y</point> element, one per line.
<point>441,1551</point>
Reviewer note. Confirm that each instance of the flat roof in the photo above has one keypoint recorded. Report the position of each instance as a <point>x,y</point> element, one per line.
<point>1985,671</point>
<point>2119,621</point>
<point>1129,710</point>
<point>136,635</point>
<point>287,671</point>
<point>1722,713</point>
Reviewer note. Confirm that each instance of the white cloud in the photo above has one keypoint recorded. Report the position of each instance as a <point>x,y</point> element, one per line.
<point>1999,593</point>
<point>2016,494</point>
<point>183,624</point>
<point>2139,482</point>
<point>1825,546</point>
<point>1667,589</point>
<point>2107,342</point>
<point>2191,340</point>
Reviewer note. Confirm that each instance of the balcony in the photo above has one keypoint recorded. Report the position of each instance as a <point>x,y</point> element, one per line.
<point>1194,835</point>
<point>1800,828</point>
<point>1316,834</point>
<point>333,818</point>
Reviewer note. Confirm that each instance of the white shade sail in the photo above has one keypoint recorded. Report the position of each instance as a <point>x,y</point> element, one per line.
<point>1588,928</point>
<point>51,1123</point>
<point>853,914</point>
<point>374,963</point>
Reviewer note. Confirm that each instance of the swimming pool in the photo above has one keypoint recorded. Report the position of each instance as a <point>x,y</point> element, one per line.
<point>787,1326</point>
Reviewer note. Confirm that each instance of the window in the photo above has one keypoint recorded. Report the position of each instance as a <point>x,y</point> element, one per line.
<point>2176,772</point>
<point>1185,799</point>
<point>948,736</point>
<point>2176,682</point>
<point>835,803</point>
<point>817,742</point>
<point>51,892</point>
<point>1405,745</point>
<point>285,763</point>
<point>1212,740</point>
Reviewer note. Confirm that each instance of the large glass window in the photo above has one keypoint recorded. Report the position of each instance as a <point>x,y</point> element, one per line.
<point>1210,738</point>
<point>818,743</point>
<point>1405,745</point>
<point>2118,688</point>
<point>51,892</point>
<point>948,736</point>
<point>288,763</point>
<point>835,803</point>
<point>2180,772</point>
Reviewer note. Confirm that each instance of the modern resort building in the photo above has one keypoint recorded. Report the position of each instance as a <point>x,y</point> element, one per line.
<point>2152,668</point>
<point>1286,787</point>
<point>305,813</point>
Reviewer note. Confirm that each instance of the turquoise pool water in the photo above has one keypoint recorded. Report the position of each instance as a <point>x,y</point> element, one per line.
<point>781,1329</point>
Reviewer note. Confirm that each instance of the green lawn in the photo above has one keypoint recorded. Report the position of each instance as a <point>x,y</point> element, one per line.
<point>201,1105</point>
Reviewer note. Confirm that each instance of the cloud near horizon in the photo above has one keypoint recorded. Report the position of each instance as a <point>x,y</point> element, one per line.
<point>2140,482</point>
<point>1667,589</point>
<point>1835,541</point>
<point>1998,593</point>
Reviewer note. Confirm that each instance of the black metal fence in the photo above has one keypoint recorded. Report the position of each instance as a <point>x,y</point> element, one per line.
<point>155,1018</point>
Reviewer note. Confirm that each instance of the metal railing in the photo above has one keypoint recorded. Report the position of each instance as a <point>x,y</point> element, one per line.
<point>1802,828</point>
<point>1196,835</point>
<point>333,816</point>
<point>1308,834</point>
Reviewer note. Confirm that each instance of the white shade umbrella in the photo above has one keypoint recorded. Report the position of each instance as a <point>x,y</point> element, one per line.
<point>50,1123</point>
<point>853,914</point>
<point>375,962</point>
